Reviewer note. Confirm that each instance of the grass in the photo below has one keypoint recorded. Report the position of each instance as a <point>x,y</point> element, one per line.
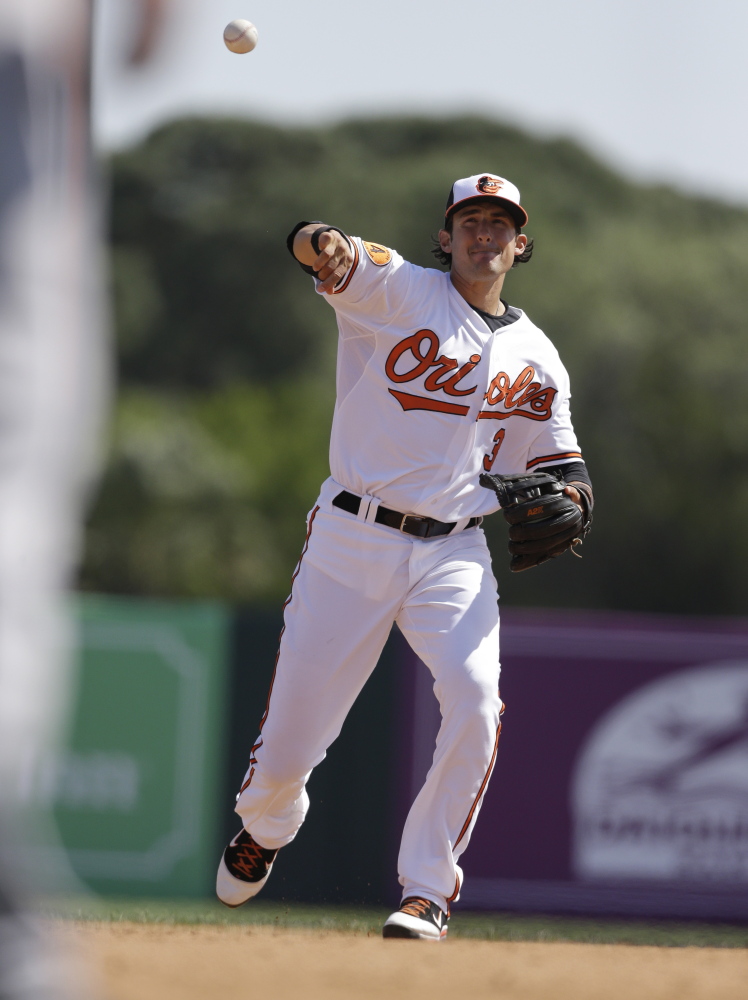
<point>368,921</point>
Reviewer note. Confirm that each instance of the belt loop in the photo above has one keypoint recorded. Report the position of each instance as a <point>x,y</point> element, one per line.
<point>460,526</point>
<point>372,506</point>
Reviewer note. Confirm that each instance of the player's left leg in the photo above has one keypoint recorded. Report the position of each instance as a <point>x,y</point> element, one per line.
<point>451,621</point>
<point>348,587</point>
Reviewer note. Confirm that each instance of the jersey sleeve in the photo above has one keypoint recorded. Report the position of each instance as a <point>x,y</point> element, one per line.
<point>378,283</point>
<point>556,442</point>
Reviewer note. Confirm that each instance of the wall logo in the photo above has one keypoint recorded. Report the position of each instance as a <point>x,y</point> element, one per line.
<point>660,790</point>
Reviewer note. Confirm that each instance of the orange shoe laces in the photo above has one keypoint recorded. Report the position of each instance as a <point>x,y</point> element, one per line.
<point>248,859</point>
<point>416,907</point>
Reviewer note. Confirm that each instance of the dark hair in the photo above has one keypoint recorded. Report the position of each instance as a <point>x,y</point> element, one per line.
<point>446,258</point>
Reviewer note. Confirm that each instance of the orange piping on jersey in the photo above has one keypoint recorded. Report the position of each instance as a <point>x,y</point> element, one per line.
<point>454,895</point>
<point>280,639</point>
<point>285,605</point>
<point>481,790</point>
<point>550,458</point>
<point>253,751</point>
<point>354,265</point>
<point>410,402</point>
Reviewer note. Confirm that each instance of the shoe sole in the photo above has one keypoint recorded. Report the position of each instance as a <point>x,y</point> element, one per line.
<point>402,929</point>
<point>233,891</point>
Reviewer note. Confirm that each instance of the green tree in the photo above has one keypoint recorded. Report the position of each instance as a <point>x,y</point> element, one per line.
<point>227,356</point>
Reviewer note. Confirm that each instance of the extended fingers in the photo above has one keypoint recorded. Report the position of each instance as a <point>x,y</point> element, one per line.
<point>335,258</point>
<point>330,257</point>
<point>334,278</point>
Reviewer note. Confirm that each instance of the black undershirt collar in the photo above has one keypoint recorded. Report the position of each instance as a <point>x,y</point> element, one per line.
<point>510,315</point>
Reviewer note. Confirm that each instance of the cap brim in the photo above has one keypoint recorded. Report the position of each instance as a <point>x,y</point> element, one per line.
<point>516,211</point>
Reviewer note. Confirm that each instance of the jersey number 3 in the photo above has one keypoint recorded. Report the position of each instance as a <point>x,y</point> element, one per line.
<point>489,459</point>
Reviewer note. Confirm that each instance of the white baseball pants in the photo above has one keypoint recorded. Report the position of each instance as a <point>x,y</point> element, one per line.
<point>354,579</point>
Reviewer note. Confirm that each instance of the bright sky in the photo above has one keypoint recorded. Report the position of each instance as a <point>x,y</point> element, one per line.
<point>658,88</point>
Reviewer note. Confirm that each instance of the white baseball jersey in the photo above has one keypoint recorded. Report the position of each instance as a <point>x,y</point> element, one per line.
<point>428,396</point>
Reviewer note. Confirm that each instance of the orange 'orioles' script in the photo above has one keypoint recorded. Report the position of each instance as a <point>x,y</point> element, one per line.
<point>420,353</point>
<point>521,398</point>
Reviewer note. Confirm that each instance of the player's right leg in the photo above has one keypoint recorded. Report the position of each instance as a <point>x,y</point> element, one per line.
<point>451,620</point>
<point>347,589</point>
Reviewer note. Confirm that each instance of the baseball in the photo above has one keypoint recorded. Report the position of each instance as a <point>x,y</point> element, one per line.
<point>240,36</point>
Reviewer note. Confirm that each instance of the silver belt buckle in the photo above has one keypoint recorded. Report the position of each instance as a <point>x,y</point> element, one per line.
<point>412,517</point>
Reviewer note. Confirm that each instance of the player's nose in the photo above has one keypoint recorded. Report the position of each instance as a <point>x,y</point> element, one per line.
<point>487,239</point>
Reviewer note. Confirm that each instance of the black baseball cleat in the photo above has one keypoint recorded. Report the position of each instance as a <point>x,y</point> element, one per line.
<point>244,870</point>
<point>417,918</point>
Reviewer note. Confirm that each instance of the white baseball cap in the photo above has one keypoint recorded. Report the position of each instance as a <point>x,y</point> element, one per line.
<point>486,186</point>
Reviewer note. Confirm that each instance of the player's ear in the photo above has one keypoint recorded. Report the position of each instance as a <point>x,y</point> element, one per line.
<point>445,241</point>
<point>521,244</point>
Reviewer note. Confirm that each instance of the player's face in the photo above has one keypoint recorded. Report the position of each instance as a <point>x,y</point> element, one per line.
<point>483,242</point>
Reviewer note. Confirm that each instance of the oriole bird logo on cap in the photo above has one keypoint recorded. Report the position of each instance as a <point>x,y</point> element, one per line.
<point>489,185</point>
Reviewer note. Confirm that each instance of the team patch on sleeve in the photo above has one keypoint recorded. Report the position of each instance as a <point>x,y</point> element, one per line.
<point>378,254</point>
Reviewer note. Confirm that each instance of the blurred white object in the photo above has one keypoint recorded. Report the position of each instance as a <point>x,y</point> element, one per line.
<point>52,363</point>
<point>54,383</point>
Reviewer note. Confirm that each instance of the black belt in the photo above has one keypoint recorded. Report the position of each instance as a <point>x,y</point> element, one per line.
<point>411,524</point>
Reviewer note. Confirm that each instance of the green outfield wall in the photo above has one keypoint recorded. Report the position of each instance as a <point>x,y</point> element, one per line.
<point>170,695</point>
<point>136,793</point>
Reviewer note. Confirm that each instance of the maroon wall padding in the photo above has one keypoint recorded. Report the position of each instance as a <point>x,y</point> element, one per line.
<point>682,809</point>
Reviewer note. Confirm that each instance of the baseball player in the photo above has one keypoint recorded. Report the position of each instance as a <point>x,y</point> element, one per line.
<point>439,380</point>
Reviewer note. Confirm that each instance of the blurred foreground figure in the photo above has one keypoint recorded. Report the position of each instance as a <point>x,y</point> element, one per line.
<point>53,387</point>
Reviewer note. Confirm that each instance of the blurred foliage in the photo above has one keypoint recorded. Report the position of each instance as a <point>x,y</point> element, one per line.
<point>227,357</point>
<point>205,493</point>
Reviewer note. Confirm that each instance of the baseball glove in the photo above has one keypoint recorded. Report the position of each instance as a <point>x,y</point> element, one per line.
<point>544,521</point>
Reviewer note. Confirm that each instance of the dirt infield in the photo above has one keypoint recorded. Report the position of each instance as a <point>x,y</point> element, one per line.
<point>168,962</point>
